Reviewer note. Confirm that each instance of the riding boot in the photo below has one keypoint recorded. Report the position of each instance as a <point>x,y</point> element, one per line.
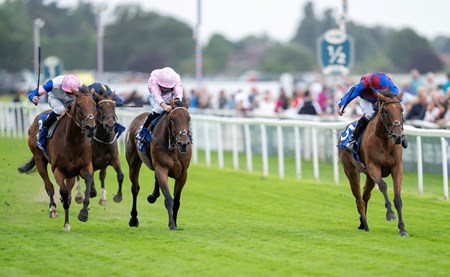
<point>143,132</point>
<point>43,130</point>
<point>404,142</point>
<point>359,128</point>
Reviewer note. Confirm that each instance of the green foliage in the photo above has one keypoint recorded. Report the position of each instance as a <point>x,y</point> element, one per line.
<point>216,54</point>
<point>288,58</point>
<point>230,223</point>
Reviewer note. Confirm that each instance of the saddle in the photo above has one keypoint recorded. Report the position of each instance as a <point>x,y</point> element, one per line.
<point>52,128</point>
<point>345,137</point>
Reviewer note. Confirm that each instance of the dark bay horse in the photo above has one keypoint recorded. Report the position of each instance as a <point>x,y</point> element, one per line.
<point>170,156</point>
<point>69,153</point>
<point>105,149</point>
<point>381,153</point>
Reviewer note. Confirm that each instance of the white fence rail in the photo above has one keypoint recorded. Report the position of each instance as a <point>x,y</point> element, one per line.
<point>310,140</point>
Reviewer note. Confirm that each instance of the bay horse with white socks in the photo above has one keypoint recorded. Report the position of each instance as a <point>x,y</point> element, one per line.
<point>169,156</point>
<point>381,153</point>
<point>69,153</point>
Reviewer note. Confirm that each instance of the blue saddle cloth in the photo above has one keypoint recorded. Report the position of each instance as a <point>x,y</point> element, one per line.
<point>119,129</point>
<point>345,137</point>
<point>144,146</point>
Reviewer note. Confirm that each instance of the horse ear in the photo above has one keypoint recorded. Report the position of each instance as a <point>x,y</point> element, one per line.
<point>400,95</point>
<point>77,93</point>
<point>186,105</point>
<point>172,103</point>
<point>381,97</point>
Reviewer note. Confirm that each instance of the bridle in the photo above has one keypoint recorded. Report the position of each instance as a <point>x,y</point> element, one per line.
<point>79,120</point>
<point>174,139</point>
<point>390,126</point>
<point>102,123</point>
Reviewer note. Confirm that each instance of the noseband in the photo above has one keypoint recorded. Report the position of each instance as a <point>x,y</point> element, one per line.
<point>390,126</point>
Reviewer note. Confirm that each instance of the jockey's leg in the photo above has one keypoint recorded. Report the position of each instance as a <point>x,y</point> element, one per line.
<point>43,130</point>
<point>140,135</point>
<point>359,128</point>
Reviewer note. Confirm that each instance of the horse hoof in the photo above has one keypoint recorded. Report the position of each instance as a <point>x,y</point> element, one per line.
<point>390,216</point>
<point>79,198</point>
<point>134,222</point>
<point>102,202</point>
<point>118,198</point>
<point>172,228</point>
<point>151,199</point>
<point>83,216</point>
<point>67,227</point>
<point>403,234</point>
<point>93,193</point>
<point>52,213</point>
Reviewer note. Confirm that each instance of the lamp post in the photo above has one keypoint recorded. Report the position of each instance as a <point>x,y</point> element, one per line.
<point>37,25</point>
<point>198,46</point>
<point>100,36</point>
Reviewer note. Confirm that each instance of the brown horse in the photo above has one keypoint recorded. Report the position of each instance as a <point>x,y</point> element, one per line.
<point>69,153</point>
<point>381,153</point>
<point>105,149</point>
<point>169,156</point>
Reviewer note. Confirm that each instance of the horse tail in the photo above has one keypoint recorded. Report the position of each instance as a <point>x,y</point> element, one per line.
<point>28,167</point>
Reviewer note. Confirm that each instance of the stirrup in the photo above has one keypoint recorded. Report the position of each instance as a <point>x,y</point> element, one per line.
<point>351,146</point>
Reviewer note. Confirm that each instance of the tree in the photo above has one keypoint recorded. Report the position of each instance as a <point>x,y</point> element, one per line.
<point>309,29</point>
<point>288,58</point>
<point>217,54</point>
<point>403,45</point>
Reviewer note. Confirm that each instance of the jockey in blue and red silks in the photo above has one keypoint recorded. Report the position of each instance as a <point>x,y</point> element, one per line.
<point>365,89</point>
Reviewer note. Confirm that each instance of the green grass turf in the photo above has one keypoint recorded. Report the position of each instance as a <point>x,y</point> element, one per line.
<point>231,223</point>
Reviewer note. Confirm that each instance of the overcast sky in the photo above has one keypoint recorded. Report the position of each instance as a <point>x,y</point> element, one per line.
<point>279,19</point>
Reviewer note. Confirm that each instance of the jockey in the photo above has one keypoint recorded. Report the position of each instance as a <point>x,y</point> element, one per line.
<point>365,89</point>
<point>164,84</point>
<point>105,91</point>
<point>60,95</point>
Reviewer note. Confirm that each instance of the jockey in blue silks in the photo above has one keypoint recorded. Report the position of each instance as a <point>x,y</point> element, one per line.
<point>365,89</point>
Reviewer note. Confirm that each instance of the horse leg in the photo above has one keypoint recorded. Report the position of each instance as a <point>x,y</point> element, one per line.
<point>93,191</point>
<point>162,175</point>
<point>41,165</point>
<point>120,176</point>
<point>179,184</point>
<point>87,175</point>
<point>367,192</point>
<point>79,195</point>
<point>152,197</point>
<point>102,200</point>
<point>397,178</point>
<point>64,193</point>
<point>354,179</point>
<point>390,215</point>
<point>134,178</point>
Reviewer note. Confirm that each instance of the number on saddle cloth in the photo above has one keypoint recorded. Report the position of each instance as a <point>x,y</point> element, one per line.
<point>345,137</point>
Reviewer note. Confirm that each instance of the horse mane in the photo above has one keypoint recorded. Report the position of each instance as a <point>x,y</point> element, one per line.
<point>178,103</point>
<point>388,93</point>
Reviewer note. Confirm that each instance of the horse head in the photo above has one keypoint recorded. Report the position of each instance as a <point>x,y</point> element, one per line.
<point>391,112</point>
<point>83,111</point>
<point>106,111</point>
<point>179,120</point>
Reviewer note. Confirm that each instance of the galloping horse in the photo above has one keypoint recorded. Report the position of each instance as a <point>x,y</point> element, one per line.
<point>105,150</point>
<point>381,153</point>
<point>69,153</point>
<point>169,156</point>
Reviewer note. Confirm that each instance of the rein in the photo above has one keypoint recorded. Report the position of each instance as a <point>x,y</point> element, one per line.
<point>394,124</point>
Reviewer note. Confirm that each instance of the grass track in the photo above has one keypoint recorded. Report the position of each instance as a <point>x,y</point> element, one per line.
<point>230,224</point>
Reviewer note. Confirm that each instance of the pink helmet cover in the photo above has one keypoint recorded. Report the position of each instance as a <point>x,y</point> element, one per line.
<point>70,82</point>
<point>167,77</point>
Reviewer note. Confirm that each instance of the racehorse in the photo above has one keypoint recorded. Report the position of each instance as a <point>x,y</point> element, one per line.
<point>105,150</point>
<point>381,155</point>
<point>169,155</point>
<point>69,153</point>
